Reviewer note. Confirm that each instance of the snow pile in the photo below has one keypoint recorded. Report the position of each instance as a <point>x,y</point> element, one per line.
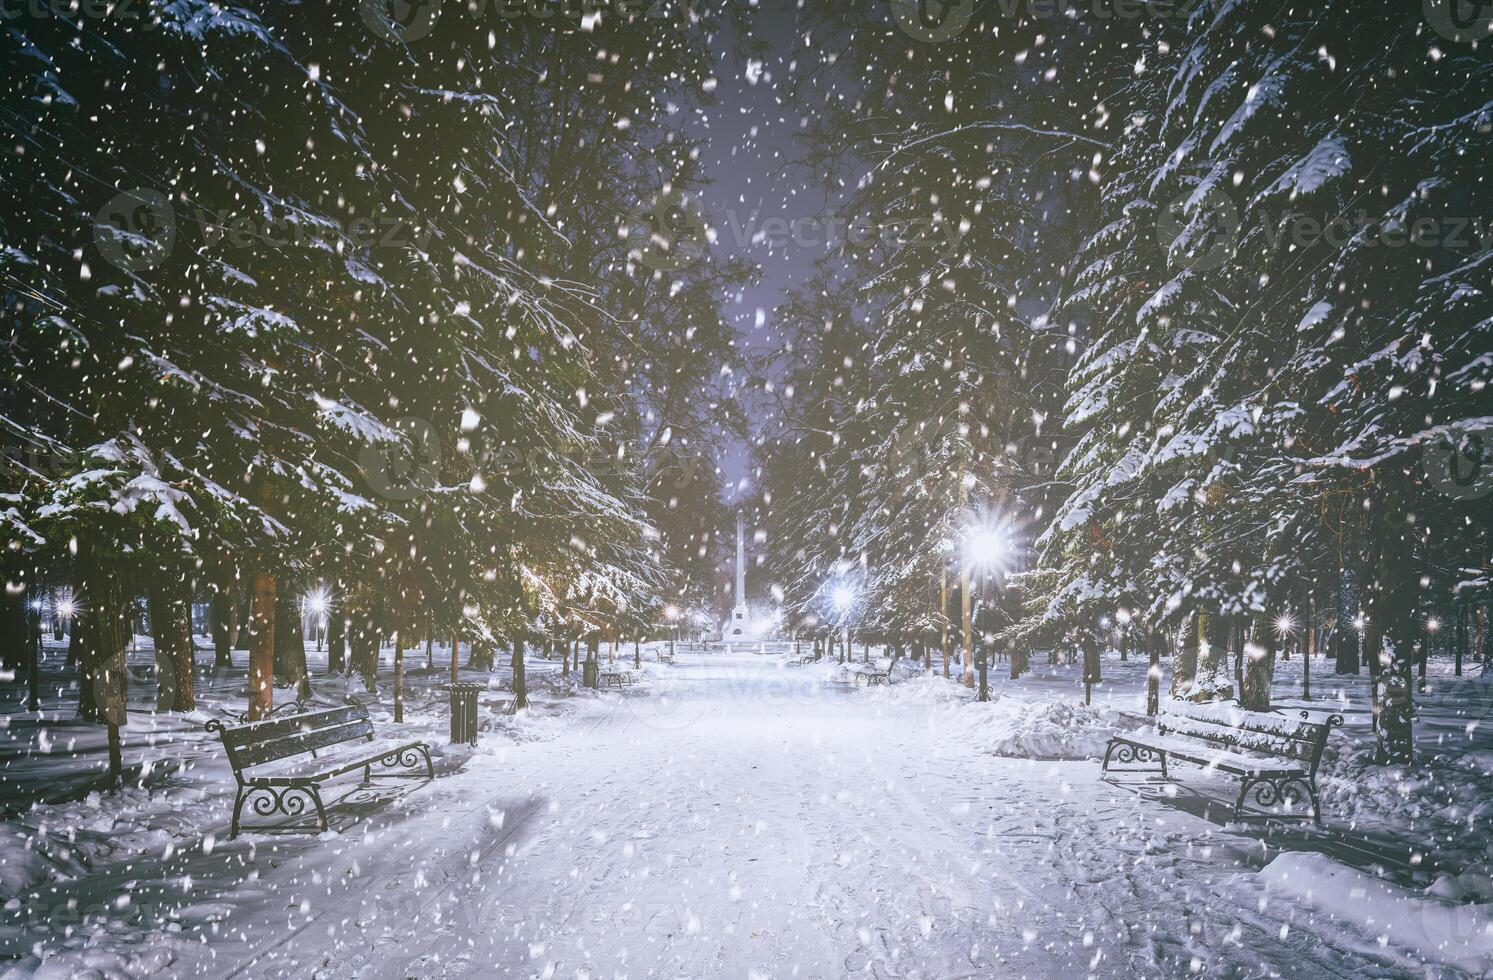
<point>1457,935</point>
<point>1444,800</point>
<point>1038,729</point>
<point>66,840</point>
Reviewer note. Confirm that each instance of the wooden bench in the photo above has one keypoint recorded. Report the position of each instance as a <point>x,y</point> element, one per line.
<point>1275,756</point>
<point>283,759</point>
<point>616,678</point>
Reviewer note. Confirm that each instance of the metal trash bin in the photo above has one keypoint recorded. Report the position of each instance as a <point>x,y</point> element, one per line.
<point>590,673</point>
<point>464,713</point>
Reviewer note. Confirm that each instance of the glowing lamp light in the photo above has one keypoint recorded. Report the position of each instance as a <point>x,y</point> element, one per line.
<point>1284,625</point>
<point>318,602</point>
<point>1433,624</point>
<point>1359,623</point>
<point>986,548</point>
<point>65,609</point>
<point>842,597</point>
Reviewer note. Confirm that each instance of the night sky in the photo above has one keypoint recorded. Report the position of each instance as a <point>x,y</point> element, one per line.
<point>752,137</point>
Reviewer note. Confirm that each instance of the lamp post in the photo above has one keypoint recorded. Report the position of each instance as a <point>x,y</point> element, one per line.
<point>986,548</point>
<point>671,613</point>
<point>319,604</point>
<point>842,598</point>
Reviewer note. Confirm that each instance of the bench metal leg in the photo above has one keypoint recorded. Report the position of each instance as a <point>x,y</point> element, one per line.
<point>429,768</point>
<point>238,808</point>
<point>1243,792</point>
<point>321,811</point>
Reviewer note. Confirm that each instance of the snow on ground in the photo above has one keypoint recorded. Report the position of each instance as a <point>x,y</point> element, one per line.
<point>738,815</point>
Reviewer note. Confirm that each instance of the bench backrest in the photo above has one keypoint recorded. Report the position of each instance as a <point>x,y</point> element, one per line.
<point>272,739</point>
<point>1262,732</point>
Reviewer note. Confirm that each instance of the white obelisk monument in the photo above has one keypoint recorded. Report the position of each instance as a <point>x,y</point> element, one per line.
<point>736,629</point>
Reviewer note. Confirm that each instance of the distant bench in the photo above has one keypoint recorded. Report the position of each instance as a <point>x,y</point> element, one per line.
<point>283,759</point>
<point>1274,755</point>
<point>616,678</point>
<point>873,677</point>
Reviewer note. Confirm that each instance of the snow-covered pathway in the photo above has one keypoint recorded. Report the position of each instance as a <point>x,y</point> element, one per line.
<point>743,818</point>
<point>746,819</point>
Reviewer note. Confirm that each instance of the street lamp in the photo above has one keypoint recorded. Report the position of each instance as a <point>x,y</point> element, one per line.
<point>671,613</point>
<point>986,549</point>
<point>319,603</point>
<point>842,599</point>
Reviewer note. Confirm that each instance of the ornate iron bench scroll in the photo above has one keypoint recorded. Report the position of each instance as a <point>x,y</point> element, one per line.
<point>280,761</point>
<point>1275,755</point>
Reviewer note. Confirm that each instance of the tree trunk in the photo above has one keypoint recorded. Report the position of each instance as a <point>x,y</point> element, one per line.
<point>13,631</point>
<point>1240,636</point>
<point>336,641</point>
<point>262,590</point>
<point>171,625</point>
<point>520,681</point>
<point>1394,706</point>
<point>1259,666</point>
<point>943,617</point>
<point>481,657</point>
<point>1212,681</point>
<point>1345,637</point>
<point>222,611</point>
<point>1091,660</point>
<point>967,652</point>
<point>1185,659</point>
<point>33,657</point>
<point>1155,640</point>
<point>1481,649</point>
<point>244,617</point>
<point>1461,626</point>
<point>103,653</point>
<point>398,678</point>
<point>290,641</point>
<point>363,647</point>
